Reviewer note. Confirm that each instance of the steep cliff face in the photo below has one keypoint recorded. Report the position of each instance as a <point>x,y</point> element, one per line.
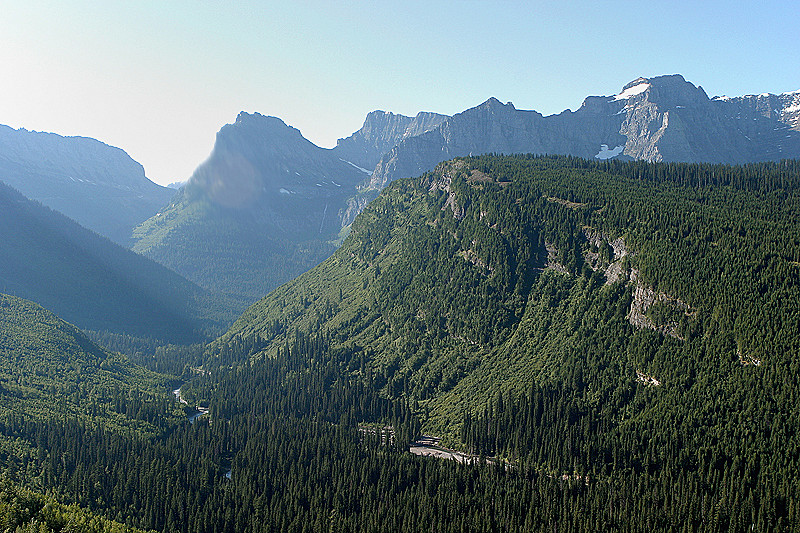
<point>784,107</point>
<point>489,127</point>
<point>261,165</point>
<point>97,185</point>
<point>381,131</point>
<point>664,118</point>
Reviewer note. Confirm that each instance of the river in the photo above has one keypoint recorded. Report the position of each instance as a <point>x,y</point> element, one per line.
<point>198,411</point>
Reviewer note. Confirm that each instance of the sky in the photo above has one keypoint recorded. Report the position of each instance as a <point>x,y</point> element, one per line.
<point>160,78</point>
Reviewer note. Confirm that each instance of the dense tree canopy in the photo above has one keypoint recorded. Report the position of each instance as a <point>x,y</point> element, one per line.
<point>620,340</point>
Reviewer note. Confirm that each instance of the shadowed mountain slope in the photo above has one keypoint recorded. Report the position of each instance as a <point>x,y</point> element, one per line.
<point>94,283</point>
<point>97,185</point>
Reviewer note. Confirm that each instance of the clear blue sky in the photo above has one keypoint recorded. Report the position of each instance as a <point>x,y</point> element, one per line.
<point>159,78</point>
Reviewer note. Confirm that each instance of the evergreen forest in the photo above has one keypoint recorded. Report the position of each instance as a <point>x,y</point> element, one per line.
<point>611,346</point>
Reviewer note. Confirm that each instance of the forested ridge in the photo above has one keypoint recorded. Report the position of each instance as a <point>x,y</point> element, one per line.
<point>620,338</point>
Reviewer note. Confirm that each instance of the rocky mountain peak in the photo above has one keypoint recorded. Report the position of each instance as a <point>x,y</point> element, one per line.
<point>260,159</point>
<point>634,83</point>
<point>665,91</point>
<point>381,131</point>
<point>256,125</point>
<point>495,104</point>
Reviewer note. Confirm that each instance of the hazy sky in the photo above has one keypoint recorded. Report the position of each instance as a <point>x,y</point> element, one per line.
<point>159,78</point>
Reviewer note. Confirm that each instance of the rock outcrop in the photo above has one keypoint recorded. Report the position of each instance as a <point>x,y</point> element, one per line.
<point>381,132</point>
<point>607,254</point>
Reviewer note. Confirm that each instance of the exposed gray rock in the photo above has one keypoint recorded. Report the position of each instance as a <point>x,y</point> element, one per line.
<point>645,297</point>
<point>609,258</point>
<point>783,107</point>
<point>381,131</point>
<point>357,204</point>
<point>552,259</point>
<point>747,359</point>
<point>664,118</point>
<point>647,379</point>
<point>609,262</point>
<point>259,163</point>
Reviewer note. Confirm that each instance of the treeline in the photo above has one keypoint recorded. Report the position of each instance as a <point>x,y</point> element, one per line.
<point>768,176</point>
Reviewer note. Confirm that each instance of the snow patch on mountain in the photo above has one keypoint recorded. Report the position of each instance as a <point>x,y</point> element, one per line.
<point>364,170</point>
<point>632,91</point>
<point>605,153</point>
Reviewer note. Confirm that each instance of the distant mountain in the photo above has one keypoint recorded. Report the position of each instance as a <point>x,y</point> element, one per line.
<point>95,283</point>
<point>98,185</point>
<point>268,204</point>
<point>381,131</point>
<point>262,209</point>
<point>664,118</point>
<point>784,107</point>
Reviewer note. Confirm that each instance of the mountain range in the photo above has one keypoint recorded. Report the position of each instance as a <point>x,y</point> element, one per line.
<point>604,343</point>
<point>664,118</point>
<point>268,204</point>
<point>99,186</point>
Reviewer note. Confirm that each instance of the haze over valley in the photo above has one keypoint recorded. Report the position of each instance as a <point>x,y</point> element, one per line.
<point>462,315</point>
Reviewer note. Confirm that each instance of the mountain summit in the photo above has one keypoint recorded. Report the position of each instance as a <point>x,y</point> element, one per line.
<point>664,118</point>
<point>268,204</point>
<point>381,131</point>
<point>258,212</point>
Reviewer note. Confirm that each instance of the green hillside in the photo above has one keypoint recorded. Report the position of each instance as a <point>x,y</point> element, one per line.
<point>60,392</point>
<point>444,284</point>
<point>49,369</point>
<point>24,511</point>
<point>577,318</point>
